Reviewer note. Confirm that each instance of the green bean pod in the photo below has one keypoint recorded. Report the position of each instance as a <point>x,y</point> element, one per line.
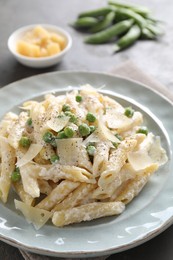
<point>153,20</point>
<point>107,21</point>
<point>155,29</point>
<point>85,22</point>
<point>97,12</point>
<point>109,33</point>
<point>131,14</point>
<point>142,10</point>
<point>129,38</point>
<point>120,17</point>
<point>147,34</point>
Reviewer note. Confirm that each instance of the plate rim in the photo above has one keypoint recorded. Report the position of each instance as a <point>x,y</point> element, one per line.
<point>161,94</point>
<point>109,250</point>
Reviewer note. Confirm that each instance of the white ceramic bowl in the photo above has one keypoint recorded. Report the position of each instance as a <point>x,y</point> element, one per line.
<point>41,62</point>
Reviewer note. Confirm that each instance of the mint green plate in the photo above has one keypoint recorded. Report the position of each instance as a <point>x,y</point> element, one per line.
<point>145,217</point>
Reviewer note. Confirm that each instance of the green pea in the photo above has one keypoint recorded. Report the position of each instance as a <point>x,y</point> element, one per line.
<point>66,108</point>
<point>61,135</point>
<point>54,158</point>
<point>128,39</point>
<point>92,128</point>
<point>69,132</point>
<point>48,137</point>
<point>53,142</point>
<point>79,98</point>
<point>15,176</point>
<point>73,118</point>
<point>142,130</point>
<point>129,112</point>
<point>109,33</point>
<point>90,117</point>
<point>91,150</point>
<point>84,129</point>
<point>29,122</point>
<point>25,141</point>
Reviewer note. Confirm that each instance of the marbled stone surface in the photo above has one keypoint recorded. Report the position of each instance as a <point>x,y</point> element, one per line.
<point>154,58</point>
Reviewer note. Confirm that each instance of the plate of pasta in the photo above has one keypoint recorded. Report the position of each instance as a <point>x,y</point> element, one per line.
<point>85,163</point>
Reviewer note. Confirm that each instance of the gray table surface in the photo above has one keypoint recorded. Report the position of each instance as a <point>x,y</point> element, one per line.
<point>154,58</point>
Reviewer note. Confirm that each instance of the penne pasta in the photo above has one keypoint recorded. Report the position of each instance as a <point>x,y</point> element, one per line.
<point>17,130</point>
<point>29,175</point>
<point>101,157</point>
<point>76,197</point>
<point>87,212</point>
<point>75,157</point>
<point>134,186</point>
<point>7,124</point>
<point>57,194</point>
<point>116,161</point>
<point>24,196</point>
<point>72,173</point>
<point>7,167</point>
